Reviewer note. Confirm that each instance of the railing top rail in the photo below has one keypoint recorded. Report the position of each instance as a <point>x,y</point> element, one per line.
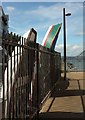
<point>35,48</point>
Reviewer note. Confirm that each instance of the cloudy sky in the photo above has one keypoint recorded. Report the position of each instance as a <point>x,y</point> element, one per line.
<point>40,15</point>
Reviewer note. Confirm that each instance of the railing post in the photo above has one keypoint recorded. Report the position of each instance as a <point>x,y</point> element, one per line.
<point>3,100</point>
<point>64,28</point>
<point>37,68</point>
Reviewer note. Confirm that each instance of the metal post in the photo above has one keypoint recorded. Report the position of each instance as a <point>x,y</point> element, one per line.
<point>37,55</point>
<point>64,28</point>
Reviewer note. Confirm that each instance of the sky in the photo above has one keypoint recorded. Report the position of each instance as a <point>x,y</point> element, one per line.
<point>40,15</point>
<point>42,0</point>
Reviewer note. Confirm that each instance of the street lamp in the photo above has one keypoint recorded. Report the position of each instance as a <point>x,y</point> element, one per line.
<point>64,32</point>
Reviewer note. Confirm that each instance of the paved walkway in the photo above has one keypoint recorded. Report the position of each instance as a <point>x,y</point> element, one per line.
<point>67,100</point>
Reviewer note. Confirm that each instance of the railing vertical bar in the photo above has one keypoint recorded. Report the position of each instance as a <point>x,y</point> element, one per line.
<point>11,84</point>
<point>26,80</point>
<point>17,86</point>
<point>19,79</point>
<point>37,80</point>
<point>3,68</point>
<point>18,104</point>
<point>30,68</point>
<point>13,103</point>
<point>22,76</point>
<point>7,47</point>
<point>22,56</point>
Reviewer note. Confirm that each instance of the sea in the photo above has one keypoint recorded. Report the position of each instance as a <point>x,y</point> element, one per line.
<point>77,62</point>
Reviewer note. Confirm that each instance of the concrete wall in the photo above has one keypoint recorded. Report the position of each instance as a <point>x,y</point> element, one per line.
<point>3,26</point>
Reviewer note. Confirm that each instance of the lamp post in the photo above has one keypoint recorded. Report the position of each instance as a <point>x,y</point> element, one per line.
<point>64,33</point>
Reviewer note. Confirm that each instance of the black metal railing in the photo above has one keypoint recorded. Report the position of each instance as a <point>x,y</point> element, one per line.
<point>29,73</point>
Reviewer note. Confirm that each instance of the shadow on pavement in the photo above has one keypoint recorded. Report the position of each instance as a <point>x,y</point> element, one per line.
<point>62,91</point>
<point>63,115</point>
